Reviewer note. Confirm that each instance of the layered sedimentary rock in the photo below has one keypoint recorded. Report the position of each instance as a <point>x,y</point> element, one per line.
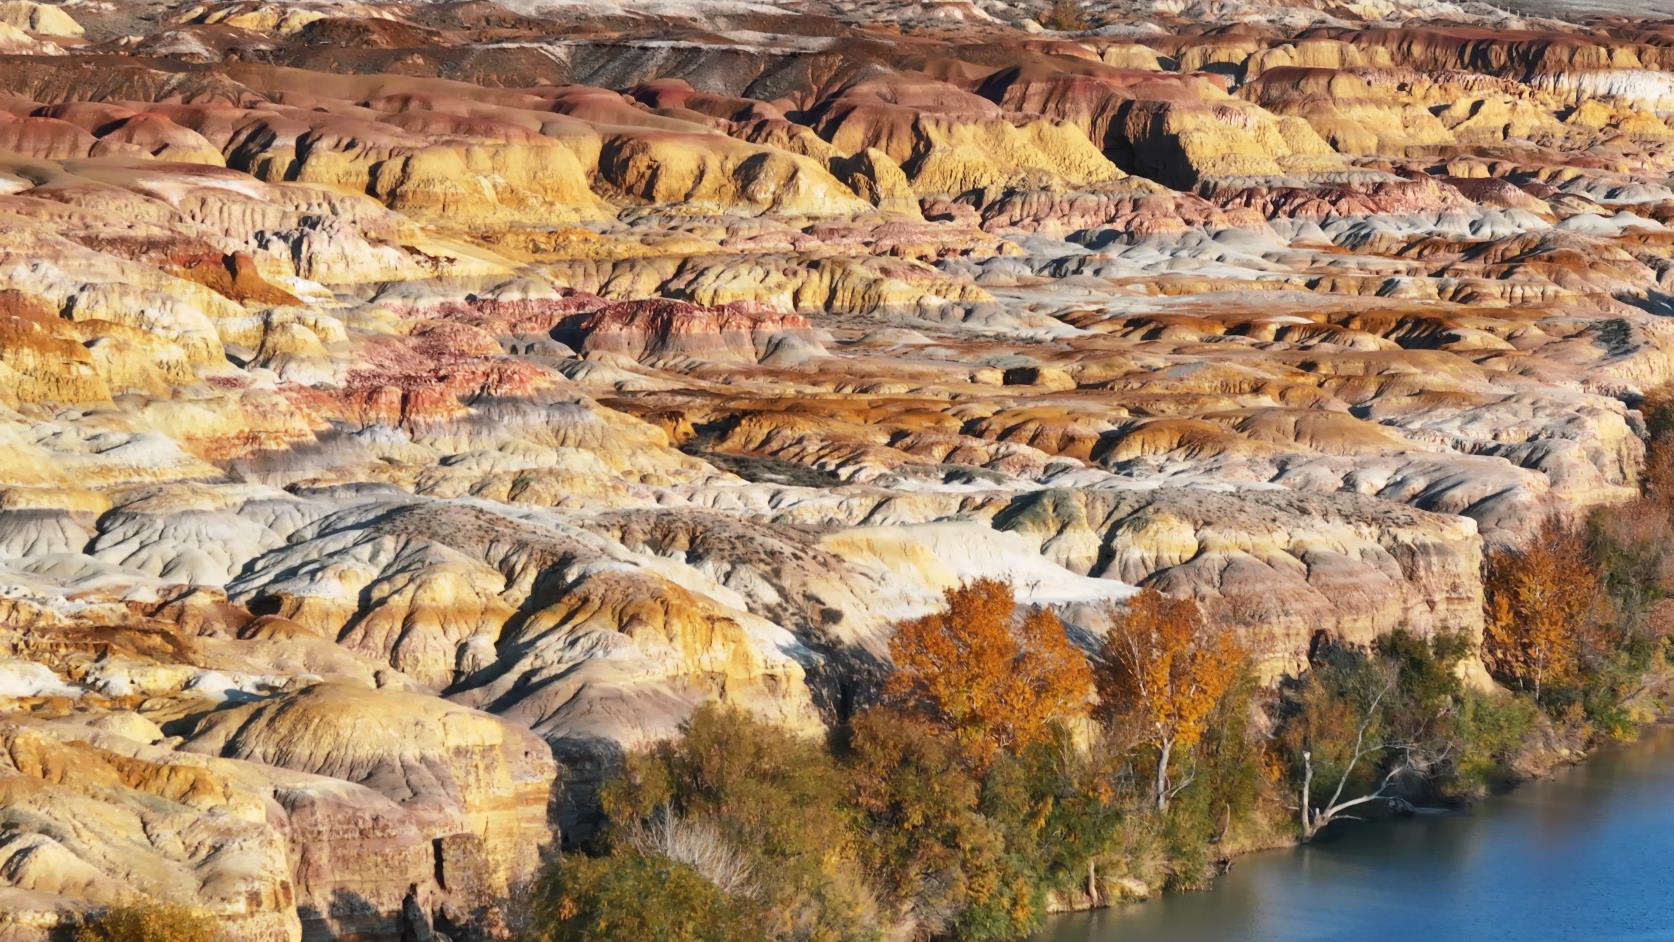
<point>407,409</point>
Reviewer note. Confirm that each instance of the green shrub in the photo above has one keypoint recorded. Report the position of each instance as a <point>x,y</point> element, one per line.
<point>1491,728</point>
<point>922,836</point>
<point>1623,680</point>
<point>1634,554</point>
<point>149,922</point>
<point>1056,810</point>
<point>634,898</point>
<point>1456,741</point>
<point>1004,902</point>
<point>977,858</point>
<point>776,797</point>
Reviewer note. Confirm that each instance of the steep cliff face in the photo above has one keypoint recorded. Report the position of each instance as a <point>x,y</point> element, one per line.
<point>472,787</point>
<point>408,409</point>
<point>286,806</point>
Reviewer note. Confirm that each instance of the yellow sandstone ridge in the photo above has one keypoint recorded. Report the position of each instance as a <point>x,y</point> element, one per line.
<point>43,19</point>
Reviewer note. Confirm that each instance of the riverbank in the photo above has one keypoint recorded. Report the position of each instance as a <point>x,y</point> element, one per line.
<point>1550,753</point>
<point>1577,629</point>
<point>987,789</point>
<point>1580,854</point>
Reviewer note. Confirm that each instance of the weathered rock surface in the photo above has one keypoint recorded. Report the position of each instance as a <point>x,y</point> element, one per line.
<point>405,409</point>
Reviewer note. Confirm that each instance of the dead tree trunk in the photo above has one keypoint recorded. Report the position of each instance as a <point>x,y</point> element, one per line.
<point>1314,819</point>
<point>1163,753</point>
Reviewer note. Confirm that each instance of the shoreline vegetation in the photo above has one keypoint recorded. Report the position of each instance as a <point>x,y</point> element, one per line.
<point>1003,775</point>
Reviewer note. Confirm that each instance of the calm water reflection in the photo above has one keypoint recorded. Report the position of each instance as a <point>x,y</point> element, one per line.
<point>1583,857</point>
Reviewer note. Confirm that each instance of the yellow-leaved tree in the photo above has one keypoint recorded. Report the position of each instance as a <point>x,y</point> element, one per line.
<point>1538,598</point>
<point>1162,670</point>
<point>993,677</point>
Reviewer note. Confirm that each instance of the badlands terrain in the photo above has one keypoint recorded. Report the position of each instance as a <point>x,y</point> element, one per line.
<point>406,409</point>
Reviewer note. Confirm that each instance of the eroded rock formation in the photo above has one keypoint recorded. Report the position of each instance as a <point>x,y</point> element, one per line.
<point>405,409</point>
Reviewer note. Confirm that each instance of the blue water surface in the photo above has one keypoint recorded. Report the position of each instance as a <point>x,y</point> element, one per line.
<point>1587,856</point>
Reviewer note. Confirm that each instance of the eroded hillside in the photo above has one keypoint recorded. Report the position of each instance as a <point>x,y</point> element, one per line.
<point>408,407</point>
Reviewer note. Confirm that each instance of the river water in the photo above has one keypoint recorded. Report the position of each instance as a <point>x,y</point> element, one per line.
<point>1586,856</point>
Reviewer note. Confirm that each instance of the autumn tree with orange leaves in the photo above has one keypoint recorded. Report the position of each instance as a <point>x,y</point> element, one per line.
<point>1538,600</point>
<point>1163,669</point>
<point>991,676</point>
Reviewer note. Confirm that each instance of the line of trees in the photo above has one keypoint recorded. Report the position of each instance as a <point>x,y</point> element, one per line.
<point>1005,769</point>
<point>1002,769</point>
<point>1579,615</point>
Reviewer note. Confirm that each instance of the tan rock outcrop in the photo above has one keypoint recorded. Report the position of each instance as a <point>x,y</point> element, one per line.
<point>44,19</point>
<point>453,771</point>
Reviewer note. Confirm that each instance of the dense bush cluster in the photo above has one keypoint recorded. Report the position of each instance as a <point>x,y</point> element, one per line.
<point>1580,615</point>
<point>149,922</point>
<point>1000,773</point>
